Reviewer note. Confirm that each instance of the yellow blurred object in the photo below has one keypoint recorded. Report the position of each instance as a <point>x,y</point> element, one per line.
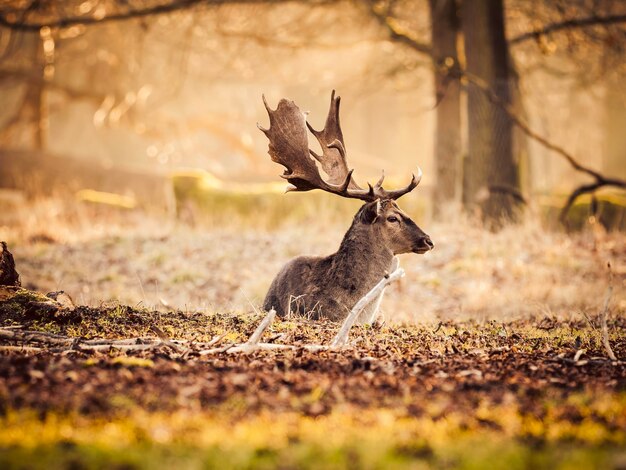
<point>108,199</point>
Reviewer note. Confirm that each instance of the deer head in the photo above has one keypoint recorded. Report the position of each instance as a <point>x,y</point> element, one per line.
<point>393,228</point>
<point>289,146</point>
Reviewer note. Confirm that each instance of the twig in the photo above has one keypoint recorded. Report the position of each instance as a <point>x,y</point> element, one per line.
<point>21,348</point>
<point>121,347</point>
<point>208,352</point>
<point>342,336</point>
<point>129,341</point>
<point>216,340</point>
<point>41,337</point>
<point>253,342</point>
<point>568,24</point>
<point>163,337</point>
<point>267,321</point>
<point>245,348</point>
<point>603,316</point>
<point>589,321</point>
<point>579,353</point>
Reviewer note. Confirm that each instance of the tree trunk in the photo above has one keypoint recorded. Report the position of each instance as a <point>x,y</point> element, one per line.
<point>614,142</point>
<point>445,28</point>
<point>491,178</point>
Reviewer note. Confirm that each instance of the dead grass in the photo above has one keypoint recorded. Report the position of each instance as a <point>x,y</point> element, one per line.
<point>102,255</point>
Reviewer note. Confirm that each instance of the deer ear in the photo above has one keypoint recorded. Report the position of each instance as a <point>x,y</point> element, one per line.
<point>370,212</point>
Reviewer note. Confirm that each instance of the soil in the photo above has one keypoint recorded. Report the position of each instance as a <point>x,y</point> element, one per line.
<point>456,365</point>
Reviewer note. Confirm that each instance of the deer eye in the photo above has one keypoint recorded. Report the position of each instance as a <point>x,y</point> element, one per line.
<point>392,218</point>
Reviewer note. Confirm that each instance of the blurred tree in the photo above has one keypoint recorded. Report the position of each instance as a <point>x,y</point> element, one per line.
<point>491,170</point>
<point>31,111</point>
<point>447,71</point>
<point>472,57</point>
<point>490,176</point>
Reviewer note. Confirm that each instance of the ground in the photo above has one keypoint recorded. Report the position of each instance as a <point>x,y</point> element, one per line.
<point>491,354</point>
<point>508,395</point>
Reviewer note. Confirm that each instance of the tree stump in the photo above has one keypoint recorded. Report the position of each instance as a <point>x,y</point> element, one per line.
<point>8,274</point>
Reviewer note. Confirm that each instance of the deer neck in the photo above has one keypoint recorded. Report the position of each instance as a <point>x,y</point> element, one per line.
<point>362,253</point>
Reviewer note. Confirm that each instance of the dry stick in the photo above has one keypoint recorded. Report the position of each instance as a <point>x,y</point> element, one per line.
<point>605,311</point>
<point>280,347</point>
<point>163,337</point>
<point>129,341</point>
<point>208,352</point>
<point>121,347</point>
<point>246,348</point>
<point>47,338</point>
<point>342,336</point>
<point>249,346</point>
<point>267,321</point>
<point>579,353</point>
<point>89,345</point>
<point>216,339</point>
<point>253,342</point>
<point>21,348</point>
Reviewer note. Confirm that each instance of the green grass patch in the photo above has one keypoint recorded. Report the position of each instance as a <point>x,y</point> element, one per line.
<point>374,438</point>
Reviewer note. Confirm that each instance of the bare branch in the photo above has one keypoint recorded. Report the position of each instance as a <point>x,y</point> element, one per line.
<point>37,336</point>
<point>568,24</point>
<point>130,13</point>
<point>396,34</point>
<point>165,340</point>
<point>600,180</point>
<point>267,321</point>
<point>342,336</point>
<point>87,20</point>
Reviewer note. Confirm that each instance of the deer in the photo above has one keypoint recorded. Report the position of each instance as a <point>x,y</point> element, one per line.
<point>328,287</point>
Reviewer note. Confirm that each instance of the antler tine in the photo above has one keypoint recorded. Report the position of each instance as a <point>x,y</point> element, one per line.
<point>267,106</point>
<point>415,180</point>
<point>269,111</point>
<point>379,183</point>
<point>336,144</point>
<point>346,183</point>
<point>333,158</point>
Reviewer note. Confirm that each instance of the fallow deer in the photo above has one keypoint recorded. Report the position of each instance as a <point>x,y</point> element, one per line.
<point>328,287</point>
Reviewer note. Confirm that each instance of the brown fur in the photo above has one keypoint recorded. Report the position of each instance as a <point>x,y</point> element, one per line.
<point>328,287</point>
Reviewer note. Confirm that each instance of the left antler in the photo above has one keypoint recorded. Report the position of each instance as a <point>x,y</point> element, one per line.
<point>289,147</point>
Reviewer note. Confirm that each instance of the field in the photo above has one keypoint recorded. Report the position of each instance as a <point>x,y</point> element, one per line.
<point>491,352</point>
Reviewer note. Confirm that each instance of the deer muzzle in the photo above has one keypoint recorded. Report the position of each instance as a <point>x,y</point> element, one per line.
<point>423,245</point>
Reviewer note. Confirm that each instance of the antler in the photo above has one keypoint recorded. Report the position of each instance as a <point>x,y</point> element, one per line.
<point>333,158</point>
<point>289,146</point>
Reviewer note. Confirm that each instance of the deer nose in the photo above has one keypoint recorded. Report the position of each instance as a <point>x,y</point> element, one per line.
<point>425,243</point>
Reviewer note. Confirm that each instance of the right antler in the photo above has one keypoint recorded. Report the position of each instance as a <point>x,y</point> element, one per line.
<point>289,146</point>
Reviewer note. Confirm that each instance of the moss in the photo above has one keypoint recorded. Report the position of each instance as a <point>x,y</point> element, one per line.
<point>210,201</point>
<point>18,305</point>
<point>111,200</point>
<point>609,210</point>
<point>131,361</point>
<point>351,439</point>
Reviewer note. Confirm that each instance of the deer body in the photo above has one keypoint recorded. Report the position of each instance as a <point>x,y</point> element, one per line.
<point>330,286</point>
